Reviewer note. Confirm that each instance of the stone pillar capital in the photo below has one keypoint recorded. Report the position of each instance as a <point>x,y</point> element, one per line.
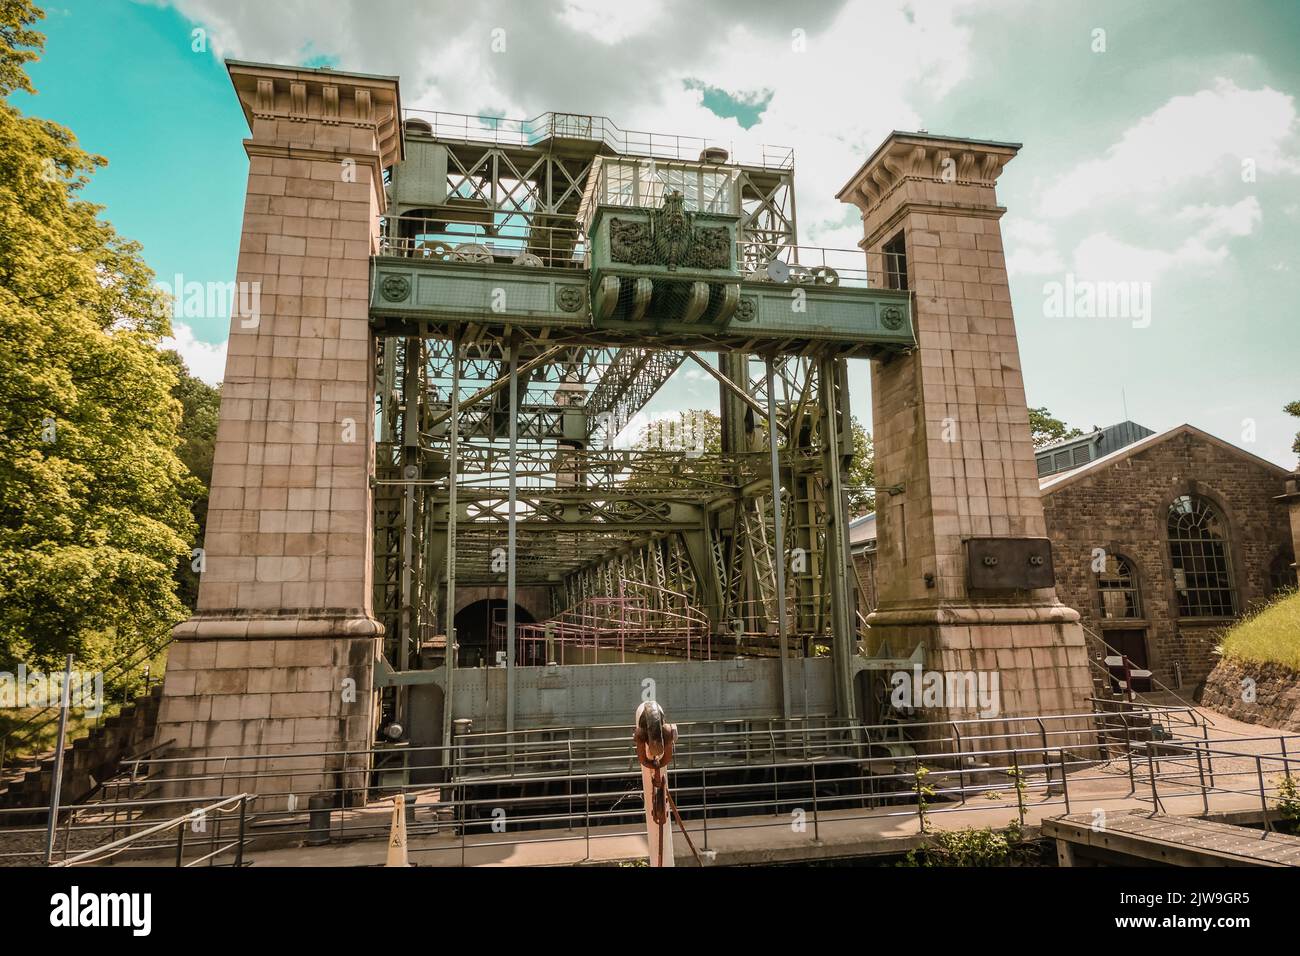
<point>922,171</point>
<point>313,112</point>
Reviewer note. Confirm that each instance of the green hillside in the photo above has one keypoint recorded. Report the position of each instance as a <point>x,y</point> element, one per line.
<point>1271,636</point>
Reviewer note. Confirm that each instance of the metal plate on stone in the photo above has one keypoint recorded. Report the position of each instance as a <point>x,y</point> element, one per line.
<point>1009,564</point>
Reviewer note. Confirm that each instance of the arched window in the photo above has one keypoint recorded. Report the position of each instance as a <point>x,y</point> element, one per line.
<point>1117,589</point>
<point>1198,552</point>
<point>1281,575</point>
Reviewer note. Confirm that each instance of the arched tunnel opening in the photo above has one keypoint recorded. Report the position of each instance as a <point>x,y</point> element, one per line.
<point>481,630</point>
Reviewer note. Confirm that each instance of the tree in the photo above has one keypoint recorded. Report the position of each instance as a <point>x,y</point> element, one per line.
<point>699,430</point>
<point>1044,429</point>
<point>1293,408</point>
<point>200,403</point>
<point>697,433</point>
<point>93,496</point>
<point>862,472</point>
<point>694,430</point>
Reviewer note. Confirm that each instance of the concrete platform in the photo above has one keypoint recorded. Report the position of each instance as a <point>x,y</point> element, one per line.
<point>1170,840</point>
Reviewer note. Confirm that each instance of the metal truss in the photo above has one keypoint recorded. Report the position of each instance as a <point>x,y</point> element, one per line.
<point>492,462</point>
<point>631,380</point>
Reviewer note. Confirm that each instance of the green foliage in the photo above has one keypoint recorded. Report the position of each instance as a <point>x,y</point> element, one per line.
<point>973,846</point>
<point>924,794</point>
<point>1271,636</point>
<point>94,499</point>
<point>19,44</point>
<point>1293,408</point>
<point>698,430</point>
<point>1018,778</point>
<point>200,403</point>
<point>1044,429</point>
<point>862,472</point>
<point>1288,801</point>
<point>694,430</point>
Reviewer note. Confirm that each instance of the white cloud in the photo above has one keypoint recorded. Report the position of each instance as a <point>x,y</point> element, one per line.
<point>1101,256</point>
<point>1209,134</point>
<point>611,23</point>
<point>1027,231</point>
<point>569,55</point>
<point>204,360</point>
<point>1031,248</point>
<point>1239,219</point>
<point>1034,262</point>
<point>1155,178</point>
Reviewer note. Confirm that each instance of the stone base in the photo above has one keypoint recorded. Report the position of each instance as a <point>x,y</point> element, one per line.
<point>1038,654</point>
<point>283,698</point>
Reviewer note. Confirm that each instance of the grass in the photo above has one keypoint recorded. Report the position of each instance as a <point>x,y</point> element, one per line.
<point>1272,636</point>
<point>32,741</point>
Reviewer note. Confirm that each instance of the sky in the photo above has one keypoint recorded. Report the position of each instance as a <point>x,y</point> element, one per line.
<point>1161,150</point>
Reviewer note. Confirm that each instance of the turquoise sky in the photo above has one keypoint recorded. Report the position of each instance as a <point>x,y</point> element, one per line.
<point>1132,164</point>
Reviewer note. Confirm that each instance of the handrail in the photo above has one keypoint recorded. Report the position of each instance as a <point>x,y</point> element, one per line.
<point>1155,681</point>
<point>530,132</point>
<point>1208,749</point>
<point>1050,755</point>
<point>126,660</point>
<point>118,846</point>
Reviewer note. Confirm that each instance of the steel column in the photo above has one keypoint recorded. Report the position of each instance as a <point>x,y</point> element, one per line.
<point>778,541</point>
<point>453,447</point>
<point>837,541</point>
<point>511,537</point>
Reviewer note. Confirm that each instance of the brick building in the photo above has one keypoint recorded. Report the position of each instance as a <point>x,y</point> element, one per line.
<point>1159,540</point>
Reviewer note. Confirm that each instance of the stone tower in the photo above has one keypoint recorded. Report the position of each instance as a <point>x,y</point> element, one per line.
<point>957,484</point>
<point>279,656</point>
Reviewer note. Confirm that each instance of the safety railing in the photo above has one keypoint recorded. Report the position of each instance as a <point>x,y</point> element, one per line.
<point>518,238</point>
<point>197,820</point>
<point>821,266</point>
<point>484,470</point>
<point>567,784</point>
<point>462,127</point>
<point>1112,675</point>
<point>1249,771</point>
<point>202,833</point>
<point>641,619</point>
<point>496,237</point>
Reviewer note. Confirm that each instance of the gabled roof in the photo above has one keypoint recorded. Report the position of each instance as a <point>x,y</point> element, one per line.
<point>1064,455</point>
<point>1065,478</point>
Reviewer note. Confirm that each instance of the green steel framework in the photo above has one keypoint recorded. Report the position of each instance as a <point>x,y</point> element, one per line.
<point>536,286</point>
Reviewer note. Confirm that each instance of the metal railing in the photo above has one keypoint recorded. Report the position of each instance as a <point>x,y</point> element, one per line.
<point>115,829</point>
<point>643,618</point>
<point>498,131</point>
<point>520,238</point>
<point>12,742</point>
<point>583,784</point>
<point>500,237</point>
<point>150,838</point>
<point>1185,766</point>
<point>1104,671</point>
